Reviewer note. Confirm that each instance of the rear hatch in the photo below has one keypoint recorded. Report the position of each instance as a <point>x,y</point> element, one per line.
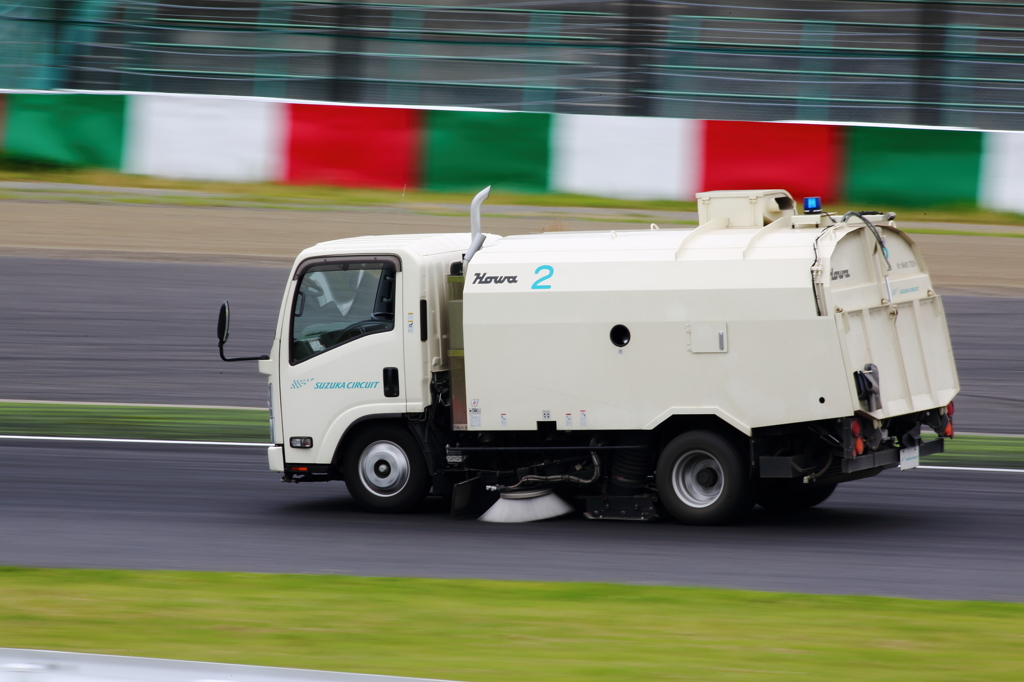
<point>887,315</point>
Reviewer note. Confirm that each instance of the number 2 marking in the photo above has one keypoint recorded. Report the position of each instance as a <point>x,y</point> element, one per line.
<point>550,271</point>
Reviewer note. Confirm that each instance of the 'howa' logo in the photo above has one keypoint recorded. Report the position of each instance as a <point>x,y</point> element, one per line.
<point>840,274</point>
<point>484,278</point>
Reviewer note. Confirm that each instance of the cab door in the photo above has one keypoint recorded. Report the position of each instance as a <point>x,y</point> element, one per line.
<point>344,353</point>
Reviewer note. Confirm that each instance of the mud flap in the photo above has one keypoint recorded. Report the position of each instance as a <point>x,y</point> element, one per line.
<point>470,499</point>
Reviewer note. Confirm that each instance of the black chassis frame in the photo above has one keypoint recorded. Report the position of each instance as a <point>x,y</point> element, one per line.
<point>824,453</point>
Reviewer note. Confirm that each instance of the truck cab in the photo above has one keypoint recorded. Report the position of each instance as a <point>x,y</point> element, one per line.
<point>358,338</point>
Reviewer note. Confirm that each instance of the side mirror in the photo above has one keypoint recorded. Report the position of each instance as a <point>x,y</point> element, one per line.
<point>223,322</point>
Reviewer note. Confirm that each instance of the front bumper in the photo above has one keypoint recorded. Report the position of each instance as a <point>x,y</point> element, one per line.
<point>275,457</point>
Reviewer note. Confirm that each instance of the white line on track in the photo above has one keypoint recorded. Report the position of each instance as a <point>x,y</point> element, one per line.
<point>959,433</point>
<point>74,439</point>
<point>989,469</point>
<point>89,403</point>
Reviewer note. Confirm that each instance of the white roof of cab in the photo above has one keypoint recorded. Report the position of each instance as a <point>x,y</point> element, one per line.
<point>418,244</point>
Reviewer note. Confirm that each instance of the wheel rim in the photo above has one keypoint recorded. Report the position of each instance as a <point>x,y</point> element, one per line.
<point>384,468</point>
<point>697,479</point>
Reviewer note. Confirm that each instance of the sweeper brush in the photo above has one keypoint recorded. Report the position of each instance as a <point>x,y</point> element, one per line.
<point>523,506</point>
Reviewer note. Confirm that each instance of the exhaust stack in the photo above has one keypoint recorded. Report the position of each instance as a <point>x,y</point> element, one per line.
<point>456,347</point>
<point>474,223</point>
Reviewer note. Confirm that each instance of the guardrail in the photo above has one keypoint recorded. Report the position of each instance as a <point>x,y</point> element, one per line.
<point>241,139</point>
<point>30,665</point>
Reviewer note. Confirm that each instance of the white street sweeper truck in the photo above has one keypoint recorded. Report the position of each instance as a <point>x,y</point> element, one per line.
<point>763,357</point>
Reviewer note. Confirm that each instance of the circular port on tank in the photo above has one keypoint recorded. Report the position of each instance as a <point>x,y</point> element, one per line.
<point>620,335</point>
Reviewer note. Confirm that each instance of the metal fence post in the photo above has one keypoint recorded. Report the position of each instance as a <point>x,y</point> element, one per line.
<point>931,44</point>
<point>815,39</point>
<point>643,31</point>
<point>271,69</point>
<point>404,32</point>
<point>543,25</point>
<point>958,70</point>
<point>346,60</point>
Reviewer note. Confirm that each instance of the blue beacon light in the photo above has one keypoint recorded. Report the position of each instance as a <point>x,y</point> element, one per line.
<point>812,205</point>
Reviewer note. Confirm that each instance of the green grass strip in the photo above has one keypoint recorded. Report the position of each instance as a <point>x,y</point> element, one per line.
<point>281,195</point>
<point>1006,452</point>
<point>478,630</point>
<point>965,233</point>
<point>307,197</point>
<point>135,421</point>
<point>250,426</point>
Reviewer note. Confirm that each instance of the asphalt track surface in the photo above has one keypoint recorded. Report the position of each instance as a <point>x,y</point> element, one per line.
<point>144,332</point>
<point>925,534</point>
<point>133,331</point>
<point>123,331</point>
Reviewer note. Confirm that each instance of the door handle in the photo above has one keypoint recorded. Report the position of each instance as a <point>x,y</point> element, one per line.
<point>390,382</point>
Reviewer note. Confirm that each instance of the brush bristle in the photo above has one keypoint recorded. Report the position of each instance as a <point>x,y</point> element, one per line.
<point>525,510</point>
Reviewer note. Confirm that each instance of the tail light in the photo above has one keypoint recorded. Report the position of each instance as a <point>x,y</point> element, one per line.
<point>857,437</point>
<point>949,430</point>
<point>949,409</point>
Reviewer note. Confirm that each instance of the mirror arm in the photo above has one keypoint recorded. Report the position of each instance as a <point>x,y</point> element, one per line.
<point>221,347</point>
<point>223,322</point>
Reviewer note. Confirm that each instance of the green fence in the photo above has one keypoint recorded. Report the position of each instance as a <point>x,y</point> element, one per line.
<point>948,63</point>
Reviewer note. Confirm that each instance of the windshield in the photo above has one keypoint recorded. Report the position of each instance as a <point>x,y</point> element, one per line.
<point>336,303</point>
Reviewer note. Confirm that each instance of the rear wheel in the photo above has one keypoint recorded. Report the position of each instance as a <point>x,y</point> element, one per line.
<point>788,499</point>
<point>703,480</point>
<point>385,470</point>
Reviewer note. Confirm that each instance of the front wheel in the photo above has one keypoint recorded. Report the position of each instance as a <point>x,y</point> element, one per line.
<point>385,470</point>
<point>703,480</point>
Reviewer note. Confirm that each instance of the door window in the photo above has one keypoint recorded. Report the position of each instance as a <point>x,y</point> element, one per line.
<point>336,303</point>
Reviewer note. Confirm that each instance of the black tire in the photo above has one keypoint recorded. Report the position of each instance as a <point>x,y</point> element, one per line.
<point>703,480</point>
<point>385,470</point>
<point>786,498</point>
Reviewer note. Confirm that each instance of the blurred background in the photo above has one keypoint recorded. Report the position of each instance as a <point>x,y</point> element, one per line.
<point>945,63</point>
<point>158,157</point>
